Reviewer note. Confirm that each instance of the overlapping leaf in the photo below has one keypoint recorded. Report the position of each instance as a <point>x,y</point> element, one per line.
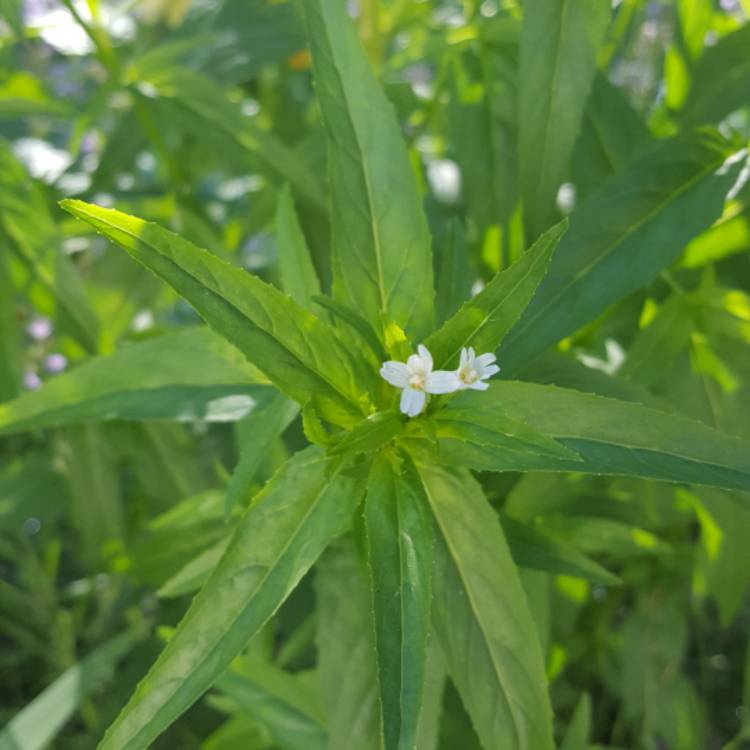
<point>652,208</point>
<point>608,436</point>
<point>399,532</point>
<point>297,351</point>
<point>484,320</point>
<point>381,245</point>
<point>482,620</point>
<point>186,375</point>
<point>275,543</point>
<point>559,44</point>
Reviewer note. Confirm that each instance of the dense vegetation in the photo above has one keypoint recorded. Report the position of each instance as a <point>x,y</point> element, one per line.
<point>257,259</point>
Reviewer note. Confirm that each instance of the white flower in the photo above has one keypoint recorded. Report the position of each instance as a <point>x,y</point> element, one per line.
<point>416,379</point>
<point>473,370</point>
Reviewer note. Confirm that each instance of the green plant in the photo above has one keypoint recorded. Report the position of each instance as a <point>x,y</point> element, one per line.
<point>416,509</point>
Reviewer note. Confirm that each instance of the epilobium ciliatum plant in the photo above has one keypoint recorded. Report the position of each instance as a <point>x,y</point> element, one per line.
<point>450,483</point>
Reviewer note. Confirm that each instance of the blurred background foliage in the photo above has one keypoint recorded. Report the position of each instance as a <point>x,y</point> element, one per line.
<point>199,115</point>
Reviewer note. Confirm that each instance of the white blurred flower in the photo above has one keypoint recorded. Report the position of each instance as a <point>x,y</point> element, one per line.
<point>473,371</point>
<point>416,379</point>
<point>44,161</point>
<point>60,30</point>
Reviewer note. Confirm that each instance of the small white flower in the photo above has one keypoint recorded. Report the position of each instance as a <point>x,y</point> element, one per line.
<point>416,379</point>
<point>473,370</point>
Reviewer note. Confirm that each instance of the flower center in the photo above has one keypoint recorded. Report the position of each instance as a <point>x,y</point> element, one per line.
<point>417,381</point>
<point>468,375</point>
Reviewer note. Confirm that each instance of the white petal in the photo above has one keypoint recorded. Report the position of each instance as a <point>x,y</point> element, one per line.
<point>472,353</point>
<point>479,385</point>
<point>412,401</point>
<point>426,357</point>
<point>488,372</point>
<point>464,358</point>
<point>484,360</point>
<point>442,381</point>
<point>396,373</point>
<point>415,364</point>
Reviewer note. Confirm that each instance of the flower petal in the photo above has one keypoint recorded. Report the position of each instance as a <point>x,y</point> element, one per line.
<point>488,372</point>
<point>426,357</point>
<point>464,358</point>
<point>415,364</point>
<point>442,381</point>
<point>484,360</point>
<point>479,385</point>
<point>412,401</point>
<point>396,373</point>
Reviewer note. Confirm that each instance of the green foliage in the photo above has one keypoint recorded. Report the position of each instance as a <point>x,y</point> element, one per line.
<point>240,534</point>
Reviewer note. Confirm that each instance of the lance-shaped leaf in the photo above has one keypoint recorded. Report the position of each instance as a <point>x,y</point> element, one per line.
<point>27,228</point>
<point>298,276</point>
<point>203,110</point>
<point>653,208</point>
<point>559,44</point>
<point>369,434</point>
<point>399,535</point>
<point>36,726</point>
<point>296,350</point>
<point>381,245</point>
<point>187,375</point>
<point>262,427</point>
<point>536,550</point>
<point>348,677</point>
<point>484,320</point>
<point>282,702</point>
<point>482,620</point>
<point>721,80</point>
<point>608,436</point>
<point>277,540</point>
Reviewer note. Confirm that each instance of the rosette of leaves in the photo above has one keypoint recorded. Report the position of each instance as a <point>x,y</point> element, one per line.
<point>430,588</point>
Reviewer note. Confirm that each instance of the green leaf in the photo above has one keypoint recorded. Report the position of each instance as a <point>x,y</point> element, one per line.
<point>37,724</point>
<point>369,434</point>
<point>720,81</point>
<point>484,320</point>
<point>345,641</point>
<point>280,702</point>
<point>356,323</point>
<point>728,236</point>
<point>261,428</point>
<point>482,620</point>
<point>186,375</point>
<point>560,40</point>
<point>612,134</point>
<point>298,276</point>
<point>653,208</point>
<point>399,536</point>
<point>26,226</point>
<point>193,574</point>
<point>297,351</point>
<point>725,559</point>
<point>579,729</point>
<point>609,436</point>
<point>10,341</point>
<point>277,540</point>
<point>204,110</point>
<point>495,432</point>
<point>534,549</point>
<point>453,283</point>
<point>381,244</point>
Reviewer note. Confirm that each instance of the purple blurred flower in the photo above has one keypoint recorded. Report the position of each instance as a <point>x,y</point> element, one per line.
<point>31,381</point>
<point>55,362</point>
<point>39,328</point>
